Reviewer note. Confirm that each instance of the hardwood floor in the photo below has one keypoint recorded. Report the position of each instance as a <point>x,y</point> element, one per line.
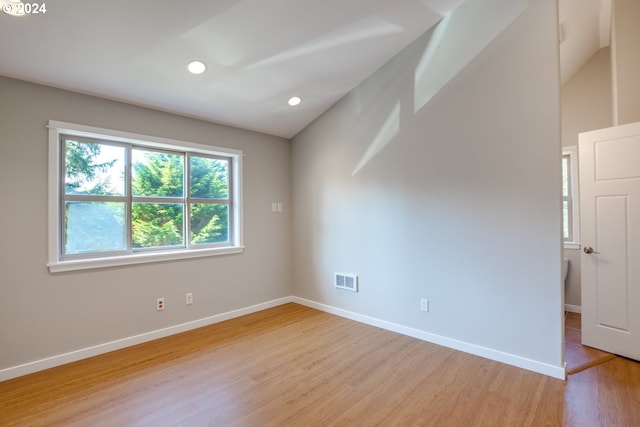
<point>295,366</point>
<point>578,356</point>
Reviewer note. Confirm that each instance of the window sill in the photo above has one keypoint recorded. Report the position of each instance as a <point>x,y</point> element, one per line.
<point>142,258</point>
<point>571,245</point>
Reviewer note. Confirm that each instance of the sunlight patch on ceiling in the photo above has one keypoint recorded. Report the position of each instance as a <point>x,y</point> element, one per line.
<point>459,38</point>
<point>258,53</point>
<point>366,29</point>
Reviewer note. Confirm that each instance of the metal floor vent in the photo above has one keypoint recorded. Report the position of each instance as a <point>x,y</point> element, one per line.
<point>346,281</point>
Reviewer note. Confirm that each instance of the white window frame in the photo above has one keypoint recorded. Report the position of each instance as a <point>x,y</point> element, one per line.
<point>57,264</point>
<point>574,196</point>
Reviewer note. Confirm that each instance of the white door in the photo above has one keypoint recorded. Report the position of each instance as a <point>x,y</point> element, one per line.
<point>610,233</point>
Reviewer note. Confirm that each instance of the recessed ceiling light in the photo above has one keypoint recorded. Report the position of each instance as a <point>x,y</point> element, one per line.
<point>196,67</point>
<point>295,100</point>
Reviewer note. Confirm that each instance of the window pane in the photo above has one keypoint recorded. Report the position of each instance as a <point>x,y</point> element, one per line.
<point>157,174</point>
<point>157,224</point>
<point>565,176</point>
<point>565,220</point>
<point>209,178</point>
<point>92,168</point>
<point>94,227</point>
<point>209,223</point>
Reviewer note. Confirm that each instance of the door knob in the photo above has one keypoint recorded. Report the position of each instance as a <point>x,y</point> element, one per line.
<point>589,250</point>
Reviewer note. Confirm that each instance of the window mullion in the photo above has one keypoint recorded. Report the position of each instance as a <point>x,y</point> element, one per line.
<point>158,200</point>
<point>209,201</point>
<point>186,218</point>
<point>231,199</point>
<point>571,198</point>
<point>93,198</point>
<point>128,178</point>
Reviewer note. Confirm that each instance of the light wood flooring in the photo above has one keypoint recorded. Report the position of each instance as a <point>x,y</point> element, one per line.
<point>295,366</point>
<point>578,356</point>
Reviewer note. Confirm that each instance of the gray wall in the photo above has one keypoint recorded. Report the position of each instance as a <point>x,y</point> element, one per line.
<point>586,105</point>
<point>625,34</point>
<point>457,201</point>
<point>43,314</point>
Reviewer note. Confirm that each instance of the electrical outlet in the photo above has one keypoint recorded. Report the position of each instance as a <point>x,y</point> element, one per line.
<point>159,304</point>
<point>188,298</point>
<point>424,305</point>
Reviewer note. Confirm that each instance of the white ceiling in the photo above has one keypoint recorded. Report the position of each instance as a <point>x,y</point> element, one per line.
<point>258,52</point>
<point>585,27</point>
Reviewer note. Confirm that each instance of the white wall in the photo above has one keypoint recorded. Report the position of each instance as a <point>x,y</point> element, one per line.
<point>457,201</point>
<point>586,105</point>
<point>43,314</point>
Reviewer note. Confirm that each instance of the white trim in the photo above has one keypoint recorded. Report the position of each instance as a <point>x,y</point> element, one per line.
<point>139,258</point>
<point>488,353</point>
<point>73,356</point>
<point>573,308</point>
<point>54,193</point>
<point>135,138</point>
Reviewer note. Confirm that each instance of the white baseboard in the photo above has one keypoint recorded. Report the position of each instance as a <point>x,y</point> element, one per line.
<point>573,308</point>
<point>488,353</point>
<point>510,359</point>
<point>61,359</point>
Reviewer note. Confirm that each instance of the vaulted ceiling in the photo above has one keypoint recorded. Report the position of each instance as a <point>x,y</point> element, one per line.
<point>585,27</point>
<point>258,53</point>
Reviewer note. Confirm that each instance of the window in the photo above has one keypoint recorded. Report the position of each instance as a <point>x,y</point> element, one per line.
<point>570,202</point>
<point>118,198</point>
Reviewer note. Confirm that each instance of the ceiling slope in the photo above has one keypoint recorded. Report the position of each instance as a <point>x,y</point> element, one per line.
<point>258,52</point>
